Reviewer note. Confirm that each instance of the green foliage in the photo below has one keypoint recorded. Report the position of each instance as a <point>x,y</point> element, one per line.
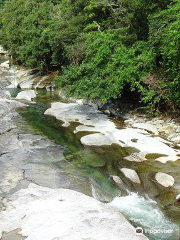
<point>2,2</point>
<point>109,66</point>
<point>25,30</point>
<point>37,32</point>
<point>165,37</point>
<point>103,47</point>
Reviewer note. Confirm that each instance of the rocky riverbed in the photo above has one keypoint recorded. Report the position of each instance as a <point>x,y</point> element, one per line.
<point>33,203</point>
<point>124,160</point>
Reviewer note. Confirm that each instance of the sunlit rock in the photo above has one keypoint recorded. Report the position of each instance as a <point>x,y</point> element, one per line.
<point>26,95</point>
<point>6,125</point>
<point>9,142</point>
<point>168,158</point>
<point>47,214</point>
<point>97,139</point>
<point>136,157</point>
<point>4,94</point>
<point>5,65</point>
<point>149,127</point>
<point>176,139</point>
<point>80,102</point>
<point>8,106</point>
<point>131,174</point>
<point>104,132</point>
<point>164,179</point>
<point>117,181</point>
<point>178,130</point>
<point>178,197</point>
<point>145,144</point>
<point>168,129</point>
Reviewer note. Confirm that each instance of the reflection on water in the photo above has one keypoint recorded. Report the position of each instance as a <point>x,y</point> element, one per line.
<point>99,163</point>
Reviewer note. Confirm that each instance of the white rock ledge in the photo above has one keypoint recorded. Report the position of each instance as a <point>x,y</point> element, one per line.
<point>46,214</point>
<point>104,132</point>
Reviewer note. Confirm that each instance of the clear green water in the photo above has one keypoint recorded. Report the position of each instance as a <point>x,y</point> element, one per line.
<point>85,161</point>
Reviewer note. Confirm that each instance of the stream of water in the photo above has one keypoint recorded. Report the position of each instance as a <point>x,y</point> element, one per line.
<point>99,163</point>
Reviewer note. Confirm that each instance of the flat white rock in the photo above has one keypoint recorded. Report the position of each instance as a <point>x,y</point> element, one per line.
<point>131,174</point>
<point>168,158</point>
<point>26,95</point>
<point>164,179</point>
<point>176,139</point>
<point>47,214</point>
<point>97,139</point>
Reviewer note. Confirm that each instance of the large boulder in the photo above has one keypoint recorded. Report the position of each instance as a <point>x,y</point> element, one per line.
<point>47,214</point>
<point>131,174</point>
<point>164,179</point>
<point>26,95</point>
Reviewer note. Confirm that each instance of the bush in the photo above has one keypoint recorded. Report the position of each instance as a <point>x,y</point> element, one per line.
<point>101,47</point>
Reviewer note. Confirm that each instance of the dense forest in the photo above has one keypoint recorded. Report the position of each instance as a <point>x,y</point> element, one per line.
<point>102,48</point>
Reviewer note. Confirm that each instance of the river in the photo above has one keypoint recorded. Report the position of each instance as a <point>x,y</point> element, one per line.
<point>148,206</point>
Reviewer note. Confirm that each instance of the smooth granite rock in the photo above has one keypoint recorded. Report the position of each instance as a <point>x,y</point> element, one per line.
<point>104,132</point>
<point>131,174</point>
<point>164,179</point>
<point>46,214</point>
